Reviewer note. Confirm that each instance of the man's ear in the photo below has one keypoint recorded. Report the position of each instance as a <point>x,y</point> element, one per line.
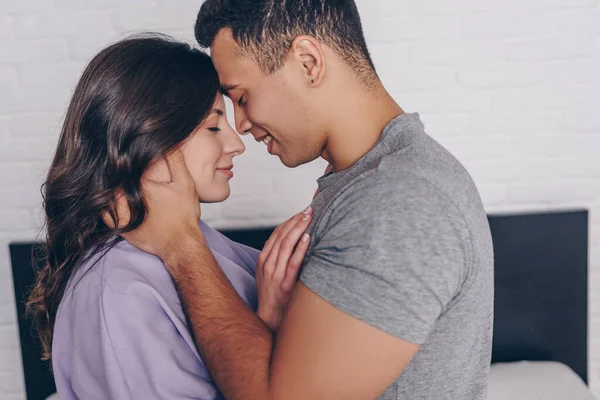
<point>309,51</point>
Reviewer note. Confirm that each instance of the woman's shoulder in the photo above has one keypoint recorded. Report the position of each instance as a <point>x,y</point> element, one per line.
<point>120,306</point>
<point>118,282</point>
<point>122,268</point>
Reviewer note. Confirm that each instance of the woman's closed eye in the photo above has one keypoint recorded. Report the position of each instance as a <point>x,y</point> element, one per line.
<point>214,129</point>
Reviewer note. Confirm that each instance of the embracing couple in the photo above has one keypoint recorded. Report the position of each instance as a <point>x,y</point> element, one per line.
<point>383,288</point>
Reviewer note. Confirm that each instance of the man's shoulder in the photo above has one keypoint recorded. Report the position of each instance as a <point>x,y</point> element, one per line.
<point>415,196</point>
<point>428,168</point>
<point>398,180</point>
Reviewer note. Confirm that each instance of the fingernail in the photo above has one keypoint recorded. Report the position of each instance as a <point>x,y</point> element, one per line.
<point>306,216</point>
<point>308,210</point>
<point>305,238</point>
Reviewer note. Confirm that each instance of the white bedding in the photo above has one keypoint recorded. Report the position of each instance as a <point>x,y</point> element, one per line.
<point>528,380</point>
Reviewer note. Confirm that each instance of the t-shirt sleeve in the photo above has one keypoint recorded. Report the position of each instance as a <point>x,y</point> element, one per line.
<point>144,356</point>
<point>392,253</point>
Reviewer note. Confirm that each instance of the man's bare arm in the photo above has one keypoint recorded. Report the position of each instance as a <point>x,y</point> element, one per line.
<point>321,352</point>
<point>234,343</point>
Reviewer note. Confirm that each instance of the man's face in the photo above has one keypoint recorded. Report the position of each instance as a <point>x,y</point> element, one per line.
<point>275,108</point>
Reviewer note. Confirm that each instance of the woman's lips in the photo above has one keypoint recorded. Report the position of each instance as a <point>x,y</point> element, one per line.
<point>226,171</point>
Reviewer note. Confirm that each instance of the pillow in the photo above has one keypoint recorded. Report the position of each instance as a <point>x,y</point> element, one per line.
<point>529,380</point>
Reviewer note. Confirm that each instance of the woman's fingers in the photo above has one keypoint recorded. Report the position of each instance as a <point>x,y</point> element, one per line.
<point>270,253</point>
<point>278,266</point>
<point>293,266</point>
<point>287,246</point>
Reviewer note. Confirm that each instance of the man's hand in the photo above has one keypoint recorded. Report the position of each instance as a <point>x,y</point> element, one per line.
<point>173,211</point>
<point>278,266</point>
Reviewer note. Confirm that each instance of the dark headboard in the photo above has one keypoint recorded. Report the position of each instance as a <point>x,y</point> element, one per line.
<point>39,383</point>
<point>540,302</point>
<point>541,299</point>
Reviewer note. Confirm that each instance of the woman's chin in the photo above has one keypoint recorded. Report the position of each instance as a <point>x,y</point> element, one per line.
<point>215,197</point>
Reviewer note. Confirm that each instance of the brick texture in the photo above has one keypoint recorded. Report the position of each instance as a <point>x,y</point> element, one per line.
<point>510,86</point>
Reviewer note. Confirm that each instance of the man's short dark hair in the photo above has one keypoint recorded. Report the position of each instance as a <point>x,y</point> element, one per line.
<point>265,29</point>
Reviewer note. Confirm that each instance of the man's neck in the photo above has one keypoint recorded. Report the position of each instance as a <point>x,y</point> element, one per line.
<point>359,119</point>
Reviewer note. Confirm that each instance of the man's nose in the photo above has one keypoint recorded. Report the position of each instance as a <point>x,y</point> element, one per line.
<point>242,123</point>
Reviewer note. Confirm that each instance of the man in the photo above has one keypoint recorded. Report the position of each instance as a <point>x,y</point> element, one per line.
<point>395,297</point>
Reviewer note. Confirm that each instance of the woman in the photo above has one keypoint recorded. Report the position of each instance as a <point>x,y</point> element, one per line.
<point>108,314</point>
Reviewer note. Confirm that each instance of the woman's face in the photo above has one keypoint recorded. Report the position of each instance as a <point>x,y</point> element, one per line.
<point>208,154</point>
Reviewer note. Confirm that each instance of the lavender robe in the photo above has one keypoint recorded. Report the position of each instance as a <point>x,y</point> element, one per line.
<point>121,333</point>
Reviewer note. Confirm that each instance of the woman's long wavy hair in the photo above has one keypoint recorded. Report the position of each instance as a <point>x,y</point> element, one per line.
<point>137,100</point>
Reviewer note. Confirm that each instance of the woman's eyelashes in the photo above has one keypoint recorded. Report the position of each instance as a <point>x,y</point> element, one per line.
<point>214,129</point>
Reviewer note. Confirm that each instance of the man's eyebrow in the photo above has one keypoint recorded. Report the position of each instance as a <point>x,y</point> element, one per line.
<point>225,88</point>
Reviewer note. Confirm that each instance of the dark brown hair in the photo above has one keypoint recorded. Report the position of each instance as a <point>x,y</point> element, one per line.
<point>265,29</point>
<point>137,100</point>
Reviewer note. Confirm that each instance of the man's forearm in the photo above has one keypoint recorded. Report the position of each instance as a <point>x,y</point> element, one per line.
<point>234,343</point>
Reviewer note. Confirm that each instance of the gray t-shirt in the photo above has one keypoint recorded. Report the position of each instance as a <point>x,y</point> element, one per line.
<point>401,241</point>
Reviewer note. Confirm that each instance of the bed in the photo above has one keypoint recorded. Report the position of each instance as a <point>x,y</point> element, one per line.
<point>540,329</point>
<point>541,302</point>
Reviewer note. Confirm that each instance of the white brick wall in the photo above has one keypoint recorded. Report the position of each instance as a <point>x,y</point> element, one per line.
<point>510,86</point>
